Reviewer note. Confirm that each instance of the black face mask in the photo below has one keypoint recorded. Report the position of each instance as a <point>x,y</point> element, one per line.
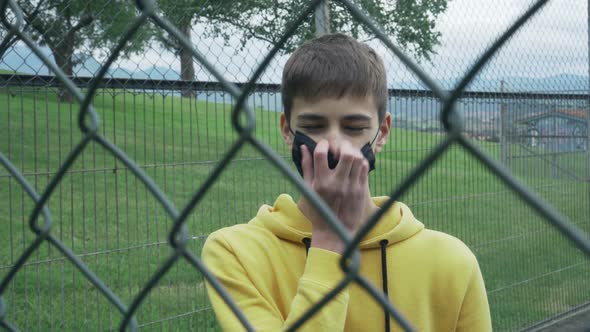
<point>301,138</point>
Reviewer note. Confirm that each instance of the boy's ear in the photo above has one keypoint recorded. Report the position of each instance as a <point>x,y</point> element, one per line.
<point>384,130</point>
<point>286,131</point>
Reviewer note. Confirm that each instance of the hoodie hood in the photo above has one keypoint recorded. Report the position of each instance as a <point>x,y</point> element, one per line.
<point>286,221</point>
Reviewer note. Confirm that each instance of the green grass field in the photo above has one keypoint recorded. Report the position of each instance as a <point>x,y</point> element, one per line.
<point>108,218</point>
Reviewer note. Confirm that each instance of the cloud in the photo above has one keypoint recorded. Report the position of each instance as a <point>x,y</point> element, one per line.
<point>552,42</point>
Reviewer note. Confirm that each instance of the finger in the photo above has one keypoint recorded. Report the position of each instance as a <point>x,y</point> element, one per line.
<point>356,168</point>
<point>347,157</point>
<point>320,158</point>
<point>364,173</point>
<point>306,164</point>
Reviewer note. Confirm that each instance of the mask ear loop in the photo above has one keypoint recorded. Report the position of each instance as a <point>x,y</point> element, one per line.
<point>290,129</point>
<point>375,138</point>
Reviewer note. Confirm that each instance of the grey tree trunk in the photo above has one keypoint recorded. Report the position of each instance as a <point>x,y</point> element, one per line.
<point>187,68</point>
<point>322,18</point>
<point>62,54</point>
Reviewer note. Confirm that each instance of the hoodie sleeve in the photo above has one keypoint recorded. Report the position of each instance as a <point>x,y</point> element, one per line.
<point>321,274</point>
<point>475,310</point>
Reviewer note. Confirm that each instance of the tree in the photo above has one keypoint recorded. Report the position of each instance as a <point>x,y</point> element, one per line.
<point>9,39</point>
<point>70,26</point>
<point>182,14</point>
<point>409,22</point>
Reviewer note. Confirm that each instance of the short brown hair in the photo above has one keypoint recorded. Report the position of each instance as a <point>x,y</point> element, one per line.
<point>334,66</point>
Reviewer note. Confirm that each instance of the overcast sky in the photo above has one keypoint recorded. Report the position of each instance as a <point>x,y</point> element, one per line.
<point>554,42</point>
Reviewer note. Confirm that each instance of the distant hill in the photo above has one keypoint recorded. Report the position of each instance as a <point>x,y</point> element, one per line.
<point>153,72</point>
<point>22,60</point>
<point>556,83</point>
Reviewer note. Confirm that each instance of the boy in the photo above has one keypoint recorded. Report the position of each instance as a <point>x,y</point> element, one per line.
<point>287,258</point>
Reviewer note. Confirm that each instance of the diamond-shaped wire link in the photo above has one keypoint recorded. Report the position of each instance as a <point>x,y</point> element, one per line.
<point>88,122</point>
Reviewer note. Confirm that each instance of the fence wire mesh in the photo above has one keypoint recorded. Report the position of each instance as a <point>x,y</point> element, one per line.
<point>112,155</point>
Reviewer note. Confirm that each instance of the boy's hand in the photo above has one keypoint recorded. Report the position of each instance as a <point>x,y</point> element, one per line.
<point>344,189</point>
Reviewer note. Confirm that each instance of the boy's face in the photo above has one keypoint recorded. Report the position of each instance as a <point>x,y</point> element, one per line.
<point>352,119</point>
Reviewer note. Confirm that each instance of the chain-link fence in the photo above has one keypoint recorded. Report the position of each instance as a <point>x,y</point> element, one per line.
<point>105,148</point>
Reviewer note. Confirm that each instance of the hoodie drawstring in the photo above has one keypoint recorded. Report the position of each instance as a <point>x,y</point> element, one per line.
<point>307,242</point>
<point>383,244</point>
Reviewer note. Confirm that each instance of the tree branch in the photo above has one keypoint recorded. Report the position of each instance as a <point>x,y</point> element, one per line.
<point>37,9</point>
<point>35,23</point>
<point>11,39</point>
<point>32,21</point>
<point>246,28</point>
<point>170,43</point>
<point>84,21</point>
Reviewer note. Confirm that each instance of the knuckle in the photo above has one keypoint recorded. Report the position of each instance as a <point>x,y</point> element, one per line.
<point>320,154</point>
<point>346,156</point>
<point>328,190</point>
<point>364,164</point>
<point>350,152</point>
<point>322,188</point>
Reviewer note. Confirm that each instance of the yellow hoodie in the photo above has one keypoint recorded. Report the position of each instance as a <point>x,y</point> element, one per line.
<point>433,278</point>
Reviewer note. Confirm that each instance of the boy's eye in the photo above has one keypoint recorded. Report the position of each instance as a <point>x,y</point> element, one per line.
<point>311,127</point>
<point>355,129</point>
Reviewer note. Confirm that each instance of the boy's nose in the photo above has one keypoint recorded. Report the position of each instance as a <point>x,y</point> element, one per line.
<point>335,140</point>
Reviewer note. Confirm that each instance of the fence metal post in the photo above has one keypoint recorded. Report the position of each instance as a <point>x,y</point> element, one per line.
<point>503,126</point>
<point>588,106</point>
<point>322,18</point>
<point>554,149</point>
